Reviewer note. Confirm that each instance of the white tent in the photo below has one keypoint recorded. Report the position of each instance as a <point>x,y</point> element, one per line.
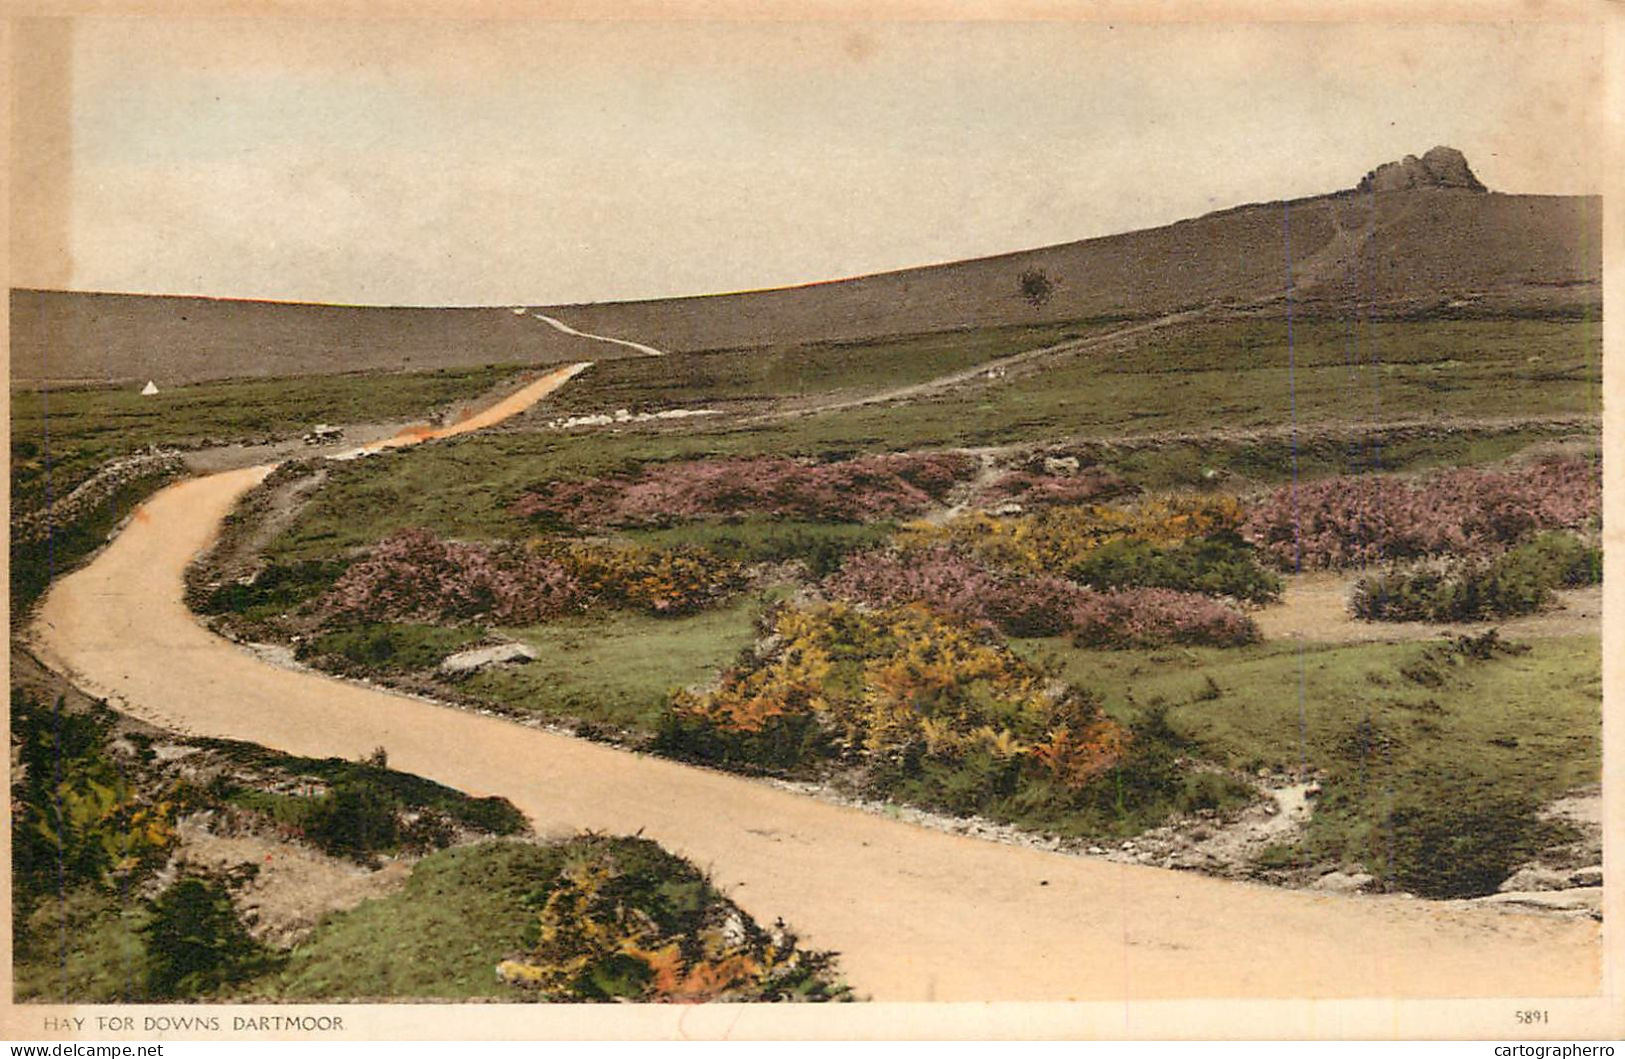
<point>149,389</point>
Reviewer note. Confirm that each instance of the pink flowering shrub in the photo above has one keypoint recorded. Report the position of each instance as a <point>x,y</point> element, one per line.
<point>958,587</point>
<point>413,576</point>
<point>1356,521</point>
<point>1150,617</point>
<point>1042,605</point>
<point>856,490</point>
<point>1031,489</point>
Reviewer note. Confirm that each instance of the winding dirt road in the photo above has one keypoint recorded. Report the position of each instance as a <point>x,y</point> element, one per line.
<point>916,914</point>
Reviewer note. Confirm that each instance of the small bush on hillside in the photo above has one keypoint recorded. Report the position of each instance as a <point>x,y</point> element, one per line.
<point>1563,559</point>
<point>1355,521</point>
<point>1036,287</point>
<point>1148,781</point>
<point>932,713</point>
<point>356,818</point>
<point>196,943</point>
<point>1520,581</point>
<point>374,648</point>
<point>864,489</point>
<point>885,684</point>
<point>279,587</point>
<point>1219,565</point>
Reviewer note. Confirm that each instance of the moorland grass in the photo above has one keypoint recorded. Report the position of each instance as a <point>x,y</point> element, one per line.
<point>84,946</point>
<point>777,372</point>
<point>438,938</point>
<point>59,438</point>
<point>617,670</point>
<point>80,428</point>
<point>1395,728</point>
<point>1235,374</point>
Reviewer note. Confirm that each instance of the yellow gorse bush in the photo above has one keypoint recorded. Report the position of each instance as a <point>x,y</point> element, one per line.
<point>1053,539</point>
<point>106,823</point>
<point>593,941</point>
<point>883,680</point>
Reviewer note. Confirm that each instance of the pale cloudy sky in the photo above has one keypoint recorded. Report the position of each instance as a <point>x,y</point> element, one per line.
<point>433,162</point>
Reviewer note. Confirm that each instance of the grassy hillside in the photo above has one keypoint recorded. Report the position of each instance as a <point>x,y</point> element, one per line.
<point>70,337</point>
<point>1400,252</point>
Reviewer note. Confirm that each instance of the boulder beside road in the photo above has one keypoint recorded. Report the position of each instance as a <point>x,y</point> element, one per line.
<point>464,663</point>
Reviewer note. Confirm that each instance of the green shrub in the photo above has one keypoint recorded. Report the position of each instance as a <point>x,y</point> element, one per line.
<point>1279,855</point>
<point>278,588</point>
<point>1564,559</point>
<point>779,744</point>
<point>385,648</point>
<point>1519,581</point>
<point>1212,791</point>
<point>1140,790</point>
<point>355,819</point>
<point>1458,849</point>
<point>196,943</point>
<point>1221,564</point>
<point>408,793</point>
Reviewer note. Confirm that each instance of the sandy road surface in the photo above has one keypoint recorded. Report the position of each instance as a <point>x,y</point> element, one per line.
<point>916,914</point>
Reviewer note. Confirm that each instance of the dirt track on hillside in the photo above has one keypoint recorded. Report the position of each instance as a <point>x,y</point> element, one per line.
<point>916,914</point>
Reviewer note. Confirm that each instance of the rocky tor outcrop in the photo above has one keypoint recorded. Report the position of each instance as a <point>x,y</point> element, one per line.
<point>1442,167</point>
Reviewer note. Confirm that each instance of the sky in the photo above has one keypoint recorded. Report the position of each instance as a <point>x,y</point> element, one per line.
<point>442,163</point>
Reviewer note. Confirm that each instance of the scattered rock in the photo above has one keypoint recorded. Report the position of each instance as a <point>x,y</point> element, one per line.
<point>1586,899</point>
<point>1338,882</point>
<point>1591,876</point>
<point>465,662</point>
<point>1059,465</point>
<point>1534,878</point>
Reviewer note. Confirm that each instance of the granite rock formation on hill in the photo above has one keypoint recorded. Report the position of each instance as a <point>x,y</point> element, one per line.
<point>1442,167</point>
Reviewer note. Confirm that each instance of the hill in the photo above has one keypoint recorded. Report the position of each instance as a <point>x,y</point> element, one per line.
<point>73,337</point>
<point>1416,237</point>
